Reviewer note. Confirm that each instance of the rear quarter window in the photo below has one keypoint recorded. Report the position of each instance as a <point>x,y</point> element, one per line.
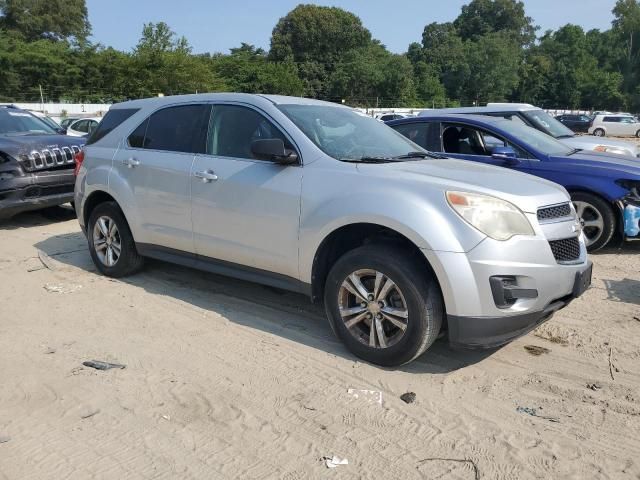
<point>112,120</point>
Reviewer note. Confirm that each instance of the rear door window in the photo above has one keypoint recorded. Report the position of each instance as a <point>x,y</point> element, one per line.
<point>425,134</point>
<point>181,128</point>
<point>113,119</point>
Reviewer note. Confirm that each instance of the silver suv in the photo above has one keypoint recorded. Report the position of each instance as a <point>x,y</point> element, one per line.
<point>313,197</point>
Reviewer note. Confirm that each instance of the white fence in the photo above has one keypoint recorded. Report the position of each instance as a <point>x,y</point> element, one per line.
<point>67,109</point>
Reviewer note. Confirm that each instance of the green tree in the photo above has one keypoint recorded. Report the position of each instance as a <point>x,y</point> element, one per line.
<point>50,19</point>
<point>316,38</point>
<point>482,17</point>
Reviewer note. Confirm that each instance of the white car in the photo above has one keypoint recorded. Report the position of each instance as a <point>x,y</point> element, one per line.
<point>83,126</point>
<point>616,125</point>
<point>387,117</point>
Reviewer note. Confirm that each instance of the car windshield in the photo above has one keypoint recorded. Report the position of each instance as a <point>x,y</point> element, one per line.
<point>19,122</point>
<point>349,136</point>
<point>535,138</point>
<point>549,125</point>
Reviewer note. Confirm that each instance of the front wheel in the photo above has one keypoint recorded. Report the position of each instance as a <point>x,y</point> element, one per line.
<point>597,217</point>
<point>382,305</point>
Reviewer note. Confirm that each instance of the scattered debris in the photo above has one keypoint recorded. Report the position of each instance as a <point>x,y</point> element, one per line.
<point>611,367</point>
<point>98,365</point>
<point>46,260</point>
<point>476,472</point>
<point>637,319</point>
<point>553,338</point>
<point>4,439</point>
<point>61,288</point>
<point>49,350</point>
<point>308,408</point>
<point>371,396</point>
<point>594,386</point>
<point>335,462</point>
<point>408,397</point>
<point>536,351</point>
<point>534,413</point>
<point>167,417</point>
<point>89,413</point>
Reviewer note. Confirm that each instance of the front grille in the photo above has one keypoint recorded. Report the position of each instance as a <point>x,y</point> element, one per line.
<point>567,250</point>
<point>557,211</point>
<point>50,159</point>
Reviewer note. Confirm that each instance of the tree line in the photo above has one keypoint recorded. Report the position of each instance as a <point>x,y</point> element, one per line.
<point>491,52</point>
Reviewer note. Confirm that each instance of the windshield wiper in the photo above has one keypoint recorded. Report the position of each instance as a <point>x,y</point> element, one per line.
<point>574,151</point>
<point>368,160</point>
<point>421,155</point>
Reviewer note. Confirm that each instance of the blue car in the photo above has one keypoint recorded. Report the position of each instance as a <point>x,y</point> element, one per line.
<point>605,189</point>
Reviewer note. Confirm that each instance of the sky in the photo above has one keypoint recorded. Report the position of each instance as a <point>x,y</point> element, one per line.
<point>218,25</point>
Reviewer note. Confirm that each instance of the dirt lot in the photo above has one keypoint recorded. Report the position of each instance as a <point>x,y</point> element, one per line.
<point>226,379</point>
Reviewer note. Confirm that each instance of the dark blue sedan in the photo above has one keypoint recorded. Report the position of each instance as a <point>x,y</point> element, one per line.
<point>605,189</point>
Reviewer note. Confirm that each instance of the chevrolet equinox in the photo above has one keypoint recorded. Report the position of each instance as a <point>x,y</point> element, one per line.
<point>313,197</point>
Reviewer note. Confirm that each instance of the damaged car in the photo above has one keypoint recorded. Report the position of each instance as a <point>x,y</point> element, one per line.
<point>604,187</point>
<point>36,163</point>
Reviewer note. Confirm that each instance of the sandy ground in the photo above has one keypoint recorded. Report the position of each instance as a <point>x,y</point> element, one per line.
<point>226,379</point>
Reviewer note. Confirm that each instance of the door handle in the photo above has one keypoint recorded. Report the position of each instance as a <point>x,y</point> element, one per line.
<point>131,162</point>
<point>206,176</point>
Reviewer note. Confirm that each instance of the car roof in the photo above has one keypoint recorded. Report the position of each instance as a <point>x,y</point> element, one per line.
<point>457,117</point>
<point>231,97</point>
<point>490,108</point>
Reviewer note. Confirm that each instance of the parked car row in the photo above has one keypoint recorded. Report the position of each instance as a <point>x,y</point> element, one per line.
<point>396,232</point>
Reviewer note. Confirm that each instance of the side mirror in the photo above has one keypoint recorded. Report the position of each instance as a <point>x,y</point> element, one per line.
<point>273,149</point>
<point>507,154</point>
<point>61,131</point>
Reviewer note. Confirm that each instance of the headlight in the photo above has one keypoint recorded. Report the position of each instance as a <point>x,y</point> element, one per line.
<point>615,150</point>
<point>496,218</point>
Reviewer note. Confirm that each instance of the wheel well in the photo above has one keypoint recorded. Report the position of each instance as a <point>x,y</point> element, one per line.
<point>95,199</point>
<point>615,207</point>
<point>353,236</point>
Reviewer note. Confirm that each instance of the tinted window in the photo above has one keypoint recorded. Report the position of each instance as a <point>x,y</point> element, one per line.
<point>175,129</point>
<point>136,139</point>
<point>111,120</point>
<point>234,128</point>
<point>612,119</point>
<point>81,126</point>
<point>425,134</point>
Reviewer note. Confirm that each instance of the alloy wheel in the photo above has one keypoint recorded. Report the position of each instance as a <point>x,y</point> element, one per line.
<point>373,308</point>
<point>107,241</point>
<point>592,221</point>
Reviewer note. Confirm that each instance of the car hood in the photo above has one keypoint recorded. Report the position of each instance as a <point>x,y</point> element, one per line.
<point>595,161</point>
<point>589,143</point>
<point>527,192</point>
<point>24,144</point>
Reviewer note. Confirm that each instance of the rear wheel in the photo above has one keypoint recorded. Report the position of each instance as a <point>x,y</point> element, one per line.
<point>598,132</point>
<point>382,305</point>
<point>597,217</point>
<point>111,243</point>
<point>638,134</point>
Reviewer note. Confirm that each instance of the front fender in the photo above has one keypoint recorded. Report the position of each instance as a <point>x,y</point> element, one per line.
<point>429,225</point>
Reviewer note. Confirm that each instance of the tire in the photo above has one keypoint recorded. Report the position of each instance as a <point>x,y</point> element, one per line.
<point>414,294</point>
<point>598,132</point>
<point>128,260</point>
<point>638,134</point>
<point>595,213</point>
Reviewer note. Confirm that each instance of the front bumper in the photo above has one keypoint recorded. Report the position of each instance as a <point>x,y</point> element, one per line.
<point>35,191</point>
<point>475,317</point>
<point>492,332</point>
